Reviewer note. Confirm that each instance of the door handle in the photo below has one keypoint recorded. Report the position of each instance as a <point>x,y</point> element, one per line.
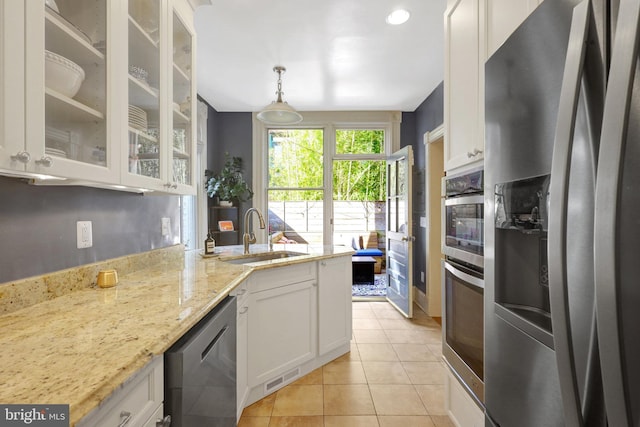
<point>609,173</point>
<point>408,239</point>
<point>559,189</point>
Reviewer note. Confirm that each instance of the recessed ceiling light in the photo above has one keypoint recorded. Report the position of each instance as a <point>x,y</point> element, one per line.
<point>397,17</point>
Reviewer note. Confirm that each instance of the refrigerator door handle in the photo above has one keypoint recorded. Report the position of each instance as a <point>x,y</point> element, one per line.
<point>609,180</point>
<point>559,186</point>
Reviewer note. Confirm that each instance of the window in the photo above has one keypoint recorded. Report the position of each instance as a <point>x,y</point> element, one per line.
<point>301,174</point>
<point>295,190</point>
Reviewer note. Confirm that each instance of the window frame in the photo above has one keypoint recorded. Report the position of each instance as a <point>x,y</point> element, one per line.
<point>329,122</point>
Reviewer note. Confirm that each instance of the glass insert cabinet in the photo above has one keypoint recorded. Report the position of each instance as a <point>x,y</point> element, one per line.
<point>108,93</point>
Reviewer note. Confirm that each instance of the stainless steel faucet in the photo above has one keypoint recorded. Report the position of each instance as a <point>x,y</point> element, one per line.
<point>248,236</point>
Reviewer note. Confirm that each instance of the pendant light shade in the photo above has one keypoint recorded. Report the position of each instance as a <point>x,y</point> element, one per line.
<point>279,112</point>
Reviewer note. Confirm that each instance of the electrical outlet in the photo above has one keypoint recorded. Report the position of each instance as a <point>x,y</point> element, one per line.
<point>166,227</point>
<point>84,234</point>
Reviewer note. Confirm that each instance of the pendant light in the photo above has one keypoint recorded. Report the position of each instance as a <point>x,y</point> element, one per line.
<point>279,112</point>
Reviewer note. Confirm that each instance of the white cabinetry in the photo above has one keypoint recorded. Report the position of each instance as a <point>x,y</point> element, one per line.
<point>502,17</point>
<point>474,30</point>
<point>161,94</point>
<point>137,404</point>
<point>334,303</point>
<point>299,318</point>
<point>459,405</point>
<point>84,137</point>
<point>242,340</point>
<point>12,97</point>
<point>462,114</point>
<point>282,324</point>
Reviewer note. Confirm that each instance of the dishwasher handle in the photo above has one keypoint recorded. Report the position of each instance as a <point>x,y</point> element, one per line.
<point>213,342</point>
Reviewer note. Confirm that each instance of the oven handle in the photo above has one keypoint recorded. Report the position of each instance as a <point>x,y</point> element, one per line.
<point>475,281</point>
<point>465,200</point>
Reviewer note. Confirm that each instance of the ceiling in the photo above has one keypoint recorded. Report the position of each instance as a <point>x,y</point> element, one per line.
<point>339,54</point>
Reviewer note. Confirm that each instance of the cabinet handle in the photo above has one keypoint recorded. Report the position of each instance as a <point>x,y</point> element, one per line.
<point>125,417</point>
<point>314,284</point>
<point>164,422</point>
<point>22,157</point>
<point>242,292</point>
<point>243,310</point>
<point>45,161</point>
<point>323,263</point>
<point>473,153</point>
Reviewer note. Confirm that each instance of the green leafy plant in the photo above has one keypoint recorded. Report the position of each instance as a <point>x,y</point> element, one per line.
<point>229,184</point>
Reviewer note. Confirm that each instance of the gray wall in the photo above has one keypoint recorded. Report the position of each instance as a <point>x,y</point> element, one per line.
<point>428,116</point>
<point>232,133</point>
<point>38,226</point>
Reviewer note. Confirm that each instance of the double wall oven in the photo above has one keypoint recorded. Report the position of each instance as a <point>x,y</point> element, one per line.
<point>463,277</point>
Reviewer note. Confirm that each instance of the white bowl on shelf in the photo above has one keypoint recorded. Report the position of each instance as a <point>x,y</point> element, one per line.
<point>62,75</point>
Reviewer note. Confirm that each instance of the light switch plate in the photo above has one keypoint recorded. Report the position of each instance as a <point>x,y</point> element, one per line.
<point>166,227</point>
<point>84,234</point>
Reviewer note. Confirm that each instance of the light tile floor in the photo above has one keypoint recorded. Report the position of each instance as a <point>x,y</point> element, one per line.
<point>393,377</point>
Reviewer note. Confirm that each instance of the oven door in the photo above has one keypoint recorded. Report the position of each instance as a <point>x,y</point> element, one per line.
<point>464,229</point>
<point>463,326</point>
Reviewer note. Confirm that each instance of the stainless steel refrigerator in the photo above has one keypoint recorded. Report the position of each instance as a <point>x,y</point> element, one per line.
<point>562,202</point>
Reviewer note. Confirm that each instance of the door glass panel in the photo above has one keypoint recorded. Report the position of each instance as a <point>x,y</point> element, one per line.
<point>75,80</point>
<point>144,88</point>
<point>182,114</point>
<point>359,197</point>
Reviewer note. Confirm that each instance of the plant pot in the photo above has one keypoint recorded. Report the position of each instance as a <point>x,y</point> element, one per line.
<point>225,203</point>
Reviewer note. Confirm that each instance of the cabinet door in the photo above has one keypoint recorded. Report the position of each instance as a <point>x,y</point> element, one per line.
<point>334,303</point>
<point>144,159</point>
<point>463,142</point>
<point>182,166</point>
<point>70,68</point>
<point>242,331</point>
<point>282,330</point>
<point>12,97</point>
<point>502,17</point>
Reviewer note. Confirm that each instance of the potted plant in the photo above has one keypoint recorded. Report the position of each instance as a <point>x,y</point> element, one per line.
<point>229,185</point>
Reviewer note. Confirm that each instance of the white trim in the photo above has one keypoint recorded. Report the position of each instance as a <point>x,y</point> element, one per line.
<point>434,135</point>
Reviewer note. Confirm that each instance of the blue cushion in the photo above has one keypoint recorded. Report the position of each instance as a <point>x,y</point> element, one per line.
<point>368,252</point>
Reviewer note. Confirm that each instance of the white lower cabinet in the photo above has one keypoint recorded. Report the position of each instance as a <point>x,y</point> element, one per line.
<point>334,303</point>
<point>157,419</point>
<point>299,318</point>
<point>459,405</point>
<point>282,332</point>
<point>242,340</point>
<point>138,403</point>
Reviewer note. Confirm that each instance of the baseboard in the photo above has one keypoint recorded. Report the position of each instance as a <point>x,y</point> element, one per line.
<point>420,298</point>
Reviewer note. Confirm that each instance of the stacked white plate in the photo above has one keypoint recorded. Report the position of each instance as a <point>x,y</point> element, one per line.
<point>137,118</point>
<point>55,152</point>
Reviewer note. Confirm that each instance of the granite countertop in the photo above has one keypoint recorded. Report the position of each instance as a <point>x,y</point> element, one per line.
<point>78,348</point>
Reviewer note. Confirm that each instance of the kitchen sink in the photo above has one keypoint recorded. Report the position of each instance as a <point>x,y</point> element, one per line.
<point>259,257</point>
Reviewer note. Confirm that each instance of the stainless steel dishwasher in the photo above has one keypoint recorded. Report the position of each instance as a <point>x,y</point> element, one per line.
<point>200,372</point>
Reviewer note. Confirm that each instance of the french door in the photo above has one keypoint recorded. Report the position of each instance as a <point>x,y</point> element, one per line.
<point>398,233</point>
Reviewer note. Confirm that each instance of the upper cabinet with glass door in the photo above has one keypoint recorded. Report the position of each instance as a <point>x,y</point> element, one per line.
<point>12,51</point>
<point>69,121</point>
<point>160,93</point>
<point>145,158</point>
<point>183,107</point>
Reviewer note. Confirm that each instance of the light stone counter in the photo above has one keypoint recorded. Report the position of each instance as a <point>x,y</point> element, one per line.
<point>79,347</point>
